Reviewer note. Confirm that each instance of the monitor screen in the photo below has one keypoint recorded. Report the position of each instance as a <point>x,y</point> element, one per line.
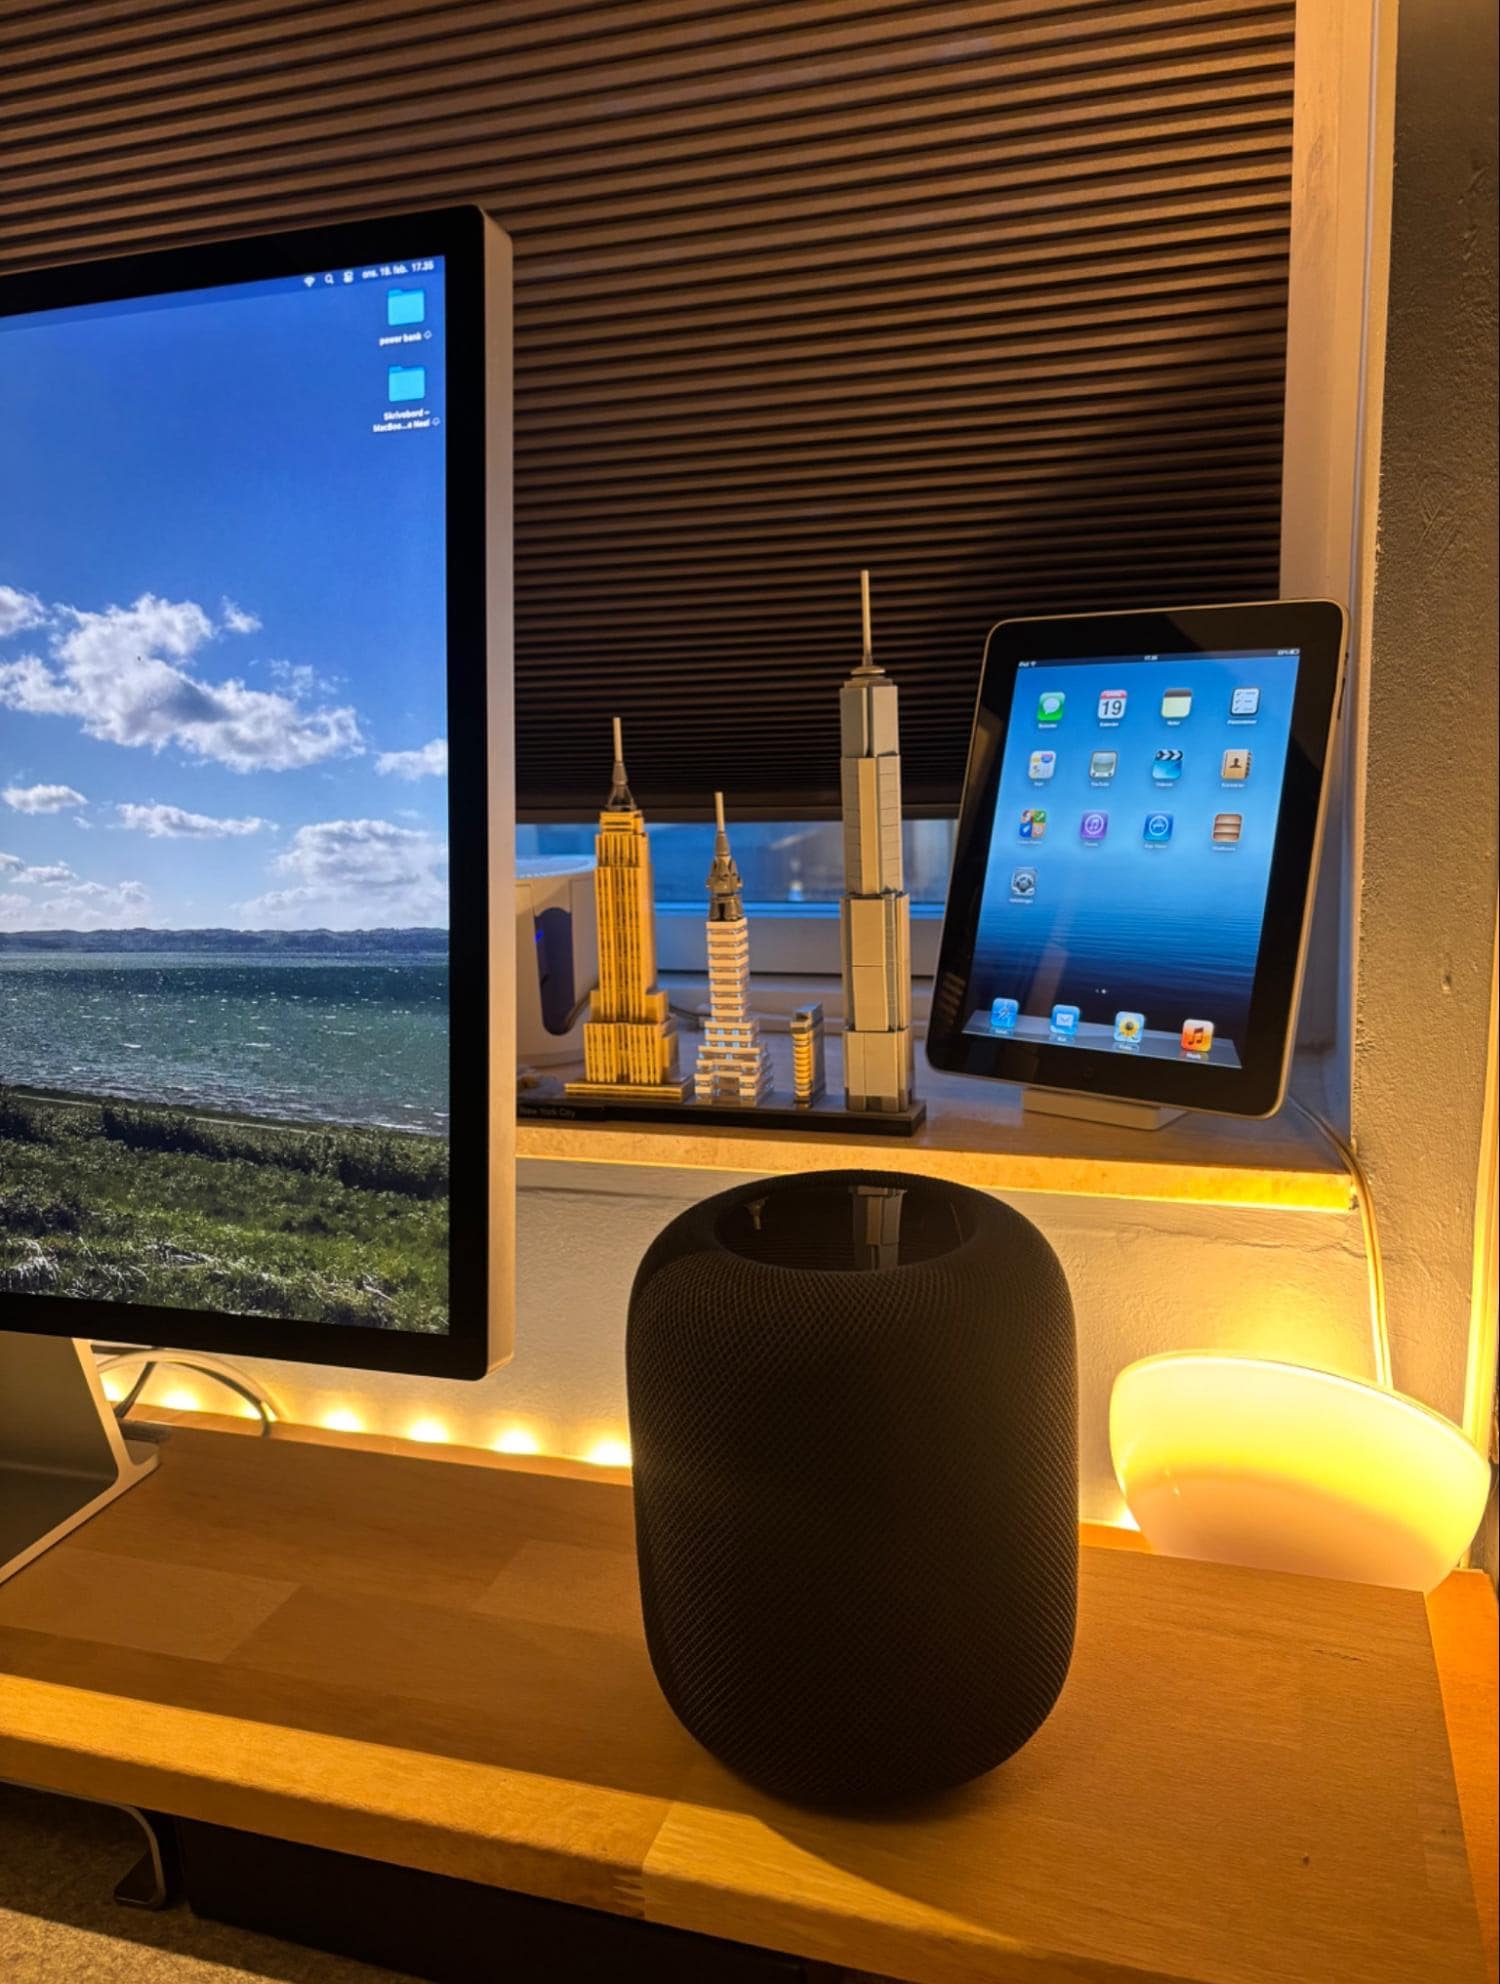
<point>1130,855</point>
<point>225,1080</point>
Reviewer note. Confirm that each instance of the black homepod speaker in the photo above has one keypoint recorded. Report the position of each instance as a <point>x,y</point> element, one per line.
<point>853,1421</point>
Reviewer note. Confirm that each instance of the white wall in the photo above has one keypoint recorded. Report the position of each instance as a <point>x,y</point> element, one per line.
<point>1144,1278</point>
<point>1427,879</point>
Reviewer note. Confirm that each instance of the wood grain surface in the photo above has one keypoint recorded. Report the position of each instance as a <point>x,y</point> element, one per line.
<point>1461,1615</point>
<point>1247,1778</point>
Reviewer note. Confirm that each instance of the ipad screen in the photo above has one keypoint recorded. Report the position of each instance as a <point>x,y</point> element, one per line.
<point>1125,890</point>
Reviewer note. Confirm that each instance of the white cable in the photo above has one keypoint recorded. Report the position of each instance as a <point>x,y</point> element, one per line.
<point>204,1365</point>
<point>1380,1336</point>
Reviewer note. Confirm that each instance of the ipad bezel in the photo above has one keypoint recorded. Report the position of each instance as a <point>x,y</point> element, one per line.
<point>1318,630</point>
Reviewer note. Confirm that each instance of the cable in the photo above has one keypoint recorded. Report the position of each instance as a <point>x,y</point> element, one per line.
<point>1380,1336</point>
<point>113,1355</point>
<point>261,1405</point>
<point>123,1406</point>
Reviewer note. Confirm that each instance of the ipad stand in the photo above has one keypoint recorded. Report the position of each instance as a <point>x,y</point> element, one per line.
<point>1099,1109</point>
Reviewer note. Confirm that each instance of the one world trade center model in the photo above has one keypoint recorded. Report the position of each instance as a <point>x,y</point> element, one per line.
<point>875,913</point>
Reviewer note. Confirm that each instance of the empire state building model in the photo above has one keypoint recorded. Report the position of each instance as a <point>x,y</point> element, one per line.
<point>875,914</point>
<point>629,1038</point>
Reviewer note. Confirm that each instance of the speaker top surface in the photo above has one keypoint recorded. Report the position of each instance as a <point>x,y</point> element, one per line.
<point>845,1222</point>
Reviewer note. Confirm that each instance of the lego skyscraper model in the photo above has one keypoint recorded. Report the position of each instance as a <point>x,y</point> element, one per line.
<point>629,1039</point>
<point>875,913</point>
<point>733,1065</point>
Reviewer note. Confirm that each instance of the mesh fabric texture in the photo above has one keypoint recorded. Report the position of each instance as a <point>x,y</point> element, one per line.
<point>856,1497</point>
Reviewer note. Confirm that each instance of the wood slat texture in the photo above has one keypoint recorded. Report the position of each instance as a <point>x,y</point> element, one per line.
<point>1246,1777</point>
<point>989,296</point>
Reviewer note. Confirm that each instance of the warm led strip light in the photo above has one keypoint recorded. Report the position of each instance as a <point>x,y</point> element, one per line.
<point>610,1450</point>
<point>428,1430</point>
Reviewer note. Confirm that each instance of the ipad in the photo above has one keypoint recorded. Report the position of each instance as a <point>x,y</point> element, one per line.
<point>1139,832</point>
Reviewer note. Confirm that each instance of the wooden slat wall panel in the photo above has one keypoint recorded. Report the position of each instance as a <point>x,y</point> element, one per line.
<point>989,296</point>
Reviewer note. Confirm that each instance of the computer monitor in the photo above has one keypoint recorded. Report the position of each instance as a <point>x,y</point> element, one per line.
<point>256,810</point>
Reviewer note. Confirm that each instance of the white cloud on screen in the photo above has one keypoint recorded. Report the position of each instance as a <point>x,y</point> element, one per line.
<point>298,678</point>
<point>237,621</point>
<point>14,869</point>
<point>356,874</point>
<point>19,609</point>
<point>126,676</point>
<point>430,762</point>
<point>40,798</point>
<point>174,823</point>
<point>79,906</point>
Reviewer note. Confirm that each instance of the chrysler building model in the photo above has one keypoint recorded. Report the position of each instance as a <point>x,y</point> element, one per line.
<point>733,1065</point>
<point>875,914</point>
<point>629,1038</point>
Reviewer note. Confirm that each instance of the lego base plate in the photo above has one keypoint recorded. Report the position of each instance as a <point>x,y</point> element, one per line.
<point>656,1093</point>
<point>547,1102</point>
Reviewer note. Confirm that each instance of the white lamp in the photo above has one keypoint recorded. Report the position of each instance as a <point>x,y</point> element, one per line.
<point>1248,1461</point>
<point>1245,1460</point>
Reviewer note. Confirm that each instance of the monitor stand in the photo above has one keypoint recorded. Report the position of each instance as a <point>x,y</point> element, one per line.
<point>1125,1115</point>
<point>62,1454</point>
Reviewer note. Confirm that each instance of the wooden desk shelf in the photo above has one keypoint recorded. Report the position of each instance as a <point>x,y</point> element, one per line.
<point>441,1666</point>
<point>976,1134</point>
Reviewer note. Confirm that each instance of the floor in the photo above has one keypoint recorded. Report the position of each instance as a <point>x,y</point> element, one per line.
<point>60,1924</point>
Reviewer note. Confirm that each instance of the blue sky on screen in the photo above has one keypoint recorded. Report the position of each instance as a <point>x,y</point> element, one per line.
<point>222,622</point>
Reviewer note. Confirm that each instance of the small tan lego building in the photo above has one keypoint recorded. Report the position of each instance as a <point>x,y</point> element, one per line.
<point>808,1073</point>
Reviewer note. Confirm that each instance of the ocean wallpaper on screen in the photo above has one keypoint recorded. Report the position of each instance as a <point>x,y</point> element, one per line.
<point>1143,888</point>
<point>224,1068</point>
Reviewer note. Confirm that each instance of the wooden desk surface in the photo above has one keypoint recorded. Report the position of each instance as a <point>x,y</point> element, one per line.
<point>1247,1778</point>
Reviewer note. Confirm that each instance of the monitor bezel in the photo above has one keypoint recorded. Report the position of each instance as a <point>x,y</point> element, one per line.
<point>1317,628</point>
<point>477,366</point>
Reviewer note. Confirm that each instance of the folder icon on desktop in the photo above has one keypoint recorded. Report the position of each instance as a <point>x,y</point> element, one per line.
<point>406,382</point>
<point>405,306</point>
